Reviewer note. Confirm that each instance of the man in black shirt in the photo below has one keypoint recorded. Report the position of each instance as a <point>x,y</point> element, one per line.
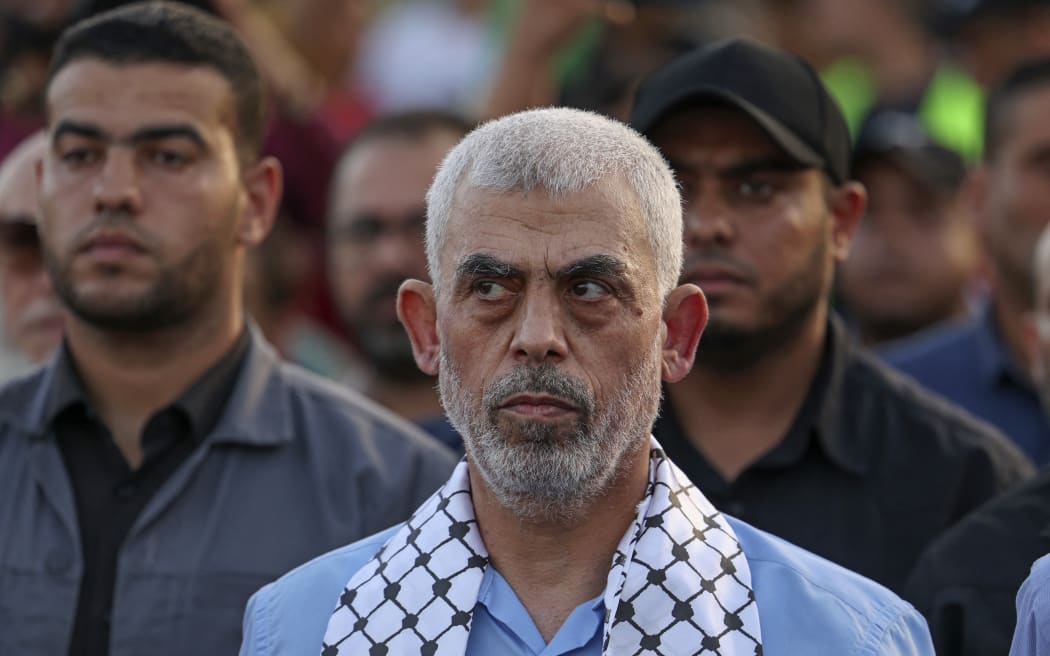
<point>782,421</point>
<point>165,464</point>
<point>966,582</point>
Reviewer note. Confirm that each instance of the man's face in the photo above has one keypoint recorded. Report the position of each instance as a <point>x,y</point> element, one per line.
<point>550,326</point>
<point>1016,204</point>
<point>376,225</point>
<point>913,254</point>
<point>140,193</point>
<point>757,232</point>
<point>31,313</point>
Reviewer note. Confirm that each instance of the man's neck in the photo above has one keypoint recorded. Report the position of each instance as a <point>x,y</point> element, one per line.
<point>1008,313</point>
<point>553,567</point>
<point>129,376</point>
<point>733,417</point>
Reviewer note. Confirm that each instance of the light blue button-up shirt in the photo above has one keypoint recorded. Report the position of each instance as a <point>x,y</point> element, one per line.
<point>1032,635</point>
<point>806,605</point>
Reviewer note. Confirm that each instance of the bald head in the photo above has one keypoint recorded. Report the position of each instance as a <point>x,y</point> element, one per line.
<point>30,314</point>
<point>17,184</point>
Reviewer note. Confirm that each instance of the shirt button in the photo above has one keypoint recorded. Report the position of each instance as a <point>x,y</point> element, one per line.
<point>57,562</point>
<point>126,490</point>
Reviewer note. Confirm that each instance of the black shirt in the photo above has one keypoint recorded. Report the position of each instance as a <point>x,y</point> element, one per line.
<point>872,469</point>
<point>967,581</point>
<point>109,494</point>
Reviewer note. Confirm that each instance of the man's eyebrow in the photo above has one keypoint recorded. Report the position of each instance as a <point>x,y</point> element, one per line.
<point>150,133</point>
<point>762,165</point>
<point>66,126</point>
<point>594,265</point>
<point>173,131</point>
<point>479,264</point>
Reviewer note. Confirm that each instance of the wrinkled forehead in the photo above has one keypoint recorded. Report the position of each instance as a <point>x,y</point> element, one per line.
<point>540,228</point>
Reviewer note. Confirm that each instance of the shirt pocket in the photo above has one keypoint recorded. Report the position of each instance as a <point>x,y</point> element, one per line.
<point>210,621</point>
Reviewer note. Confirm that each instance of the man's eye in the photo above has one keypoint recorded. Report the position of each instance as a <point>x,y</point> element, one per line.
<point>490,290</point>
<point>168,158</point>
<point>361,231</point>
<point>754,189</point>
<point>589,290</point>
<point>79,156</point>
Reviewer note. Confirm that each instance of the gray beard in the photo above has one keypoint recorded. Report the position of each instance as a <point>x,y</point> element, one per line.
<point>552,473</point>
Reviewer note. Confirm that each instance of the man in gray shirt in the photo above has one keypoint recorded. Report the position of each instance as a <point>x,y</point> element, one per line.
<point>165,464</point>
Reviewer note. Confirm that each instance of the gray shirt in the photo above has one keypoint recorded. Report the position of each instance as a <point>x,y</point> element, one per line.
<point>294,467</point>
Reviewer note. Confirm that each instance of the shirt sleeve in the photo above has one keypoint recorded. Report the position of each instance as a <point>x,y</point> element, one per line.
<point>254,640</point>
<point>907,636</point>
<point>1032,634</point>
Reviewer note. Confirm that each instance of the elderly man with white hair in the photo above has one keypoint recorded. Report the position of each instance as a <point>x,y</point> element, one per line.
<point>30,312</point>
<point>554,244</point>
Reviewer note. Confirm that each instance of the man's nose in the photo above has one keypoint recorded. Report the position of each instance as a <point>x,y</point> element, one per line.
<point>708,220</point>
<point>395,251</point>
<point>540,335</point>
<point>117,184</point>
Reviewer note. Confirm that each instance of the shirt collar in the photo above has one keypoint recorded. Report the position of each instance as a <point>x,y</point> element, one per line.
<point>202,403</point>
<point>818,422</point>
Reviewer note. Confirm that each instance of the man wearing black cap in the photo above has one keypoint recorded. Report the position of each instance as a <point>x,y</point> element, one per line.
<point>914,258</point>
<point>782,421</point>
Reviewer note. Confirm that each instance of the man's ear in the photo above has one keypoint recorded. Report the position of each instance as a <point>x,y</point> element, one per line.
<point>417,310</point>
<point>263,185</point>
<point>848,203</point>
<point>684,317</point>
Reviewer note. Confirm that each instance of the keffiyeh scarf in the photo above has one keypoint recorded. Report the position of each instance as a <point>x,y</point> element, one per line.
<point>679,582</point>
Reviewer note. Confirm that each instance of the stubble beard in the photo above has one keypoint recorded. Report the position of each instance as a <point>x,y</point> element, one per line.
<point>174,297</point>
<point>546,472</point>
<point>728,346</point>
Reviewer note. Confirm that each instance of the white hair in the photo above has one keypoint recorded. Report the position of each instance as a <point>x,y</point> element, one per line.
<point>561,151</point>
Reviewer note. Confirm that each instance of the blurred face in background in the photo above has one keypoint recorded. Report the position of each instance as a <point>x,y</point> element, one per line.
<point>146,210</point>
<point>1014,193</point>
<point>30,311</point>
<point>762,233</point>
<point>376,225</point>
<point>990,46</point>
<point>913,256</point>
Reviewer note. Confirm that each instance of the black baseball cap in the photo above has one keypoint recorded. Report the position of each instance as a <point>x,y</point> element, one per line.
<point>900,138</point>
<point>780,91</point>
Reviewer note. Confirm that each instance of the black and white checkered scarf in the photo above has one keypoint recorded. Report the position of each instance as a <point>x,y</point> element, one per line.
<point>679,582</point>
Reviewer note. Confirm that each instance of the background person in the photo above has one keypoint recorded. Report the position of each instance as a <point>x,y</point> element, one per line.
<point>967,581</point>
<point>914,261</point>
<point>30,313</point>
<point>1011,192</point>
<point>166,464</point>
<point>782,413</point>
<point>376,215</point>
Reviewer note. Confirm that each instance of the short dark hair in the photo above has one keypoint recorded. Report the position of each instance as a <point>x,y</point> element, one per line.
<point>172,33</point>
<point>1028,76</point>
<point>412,125</point>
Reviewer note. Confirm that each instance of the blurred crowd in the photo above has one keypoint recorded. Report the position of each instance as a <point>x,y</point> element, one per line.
<point>365,98</point>
<point>910,76</point>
